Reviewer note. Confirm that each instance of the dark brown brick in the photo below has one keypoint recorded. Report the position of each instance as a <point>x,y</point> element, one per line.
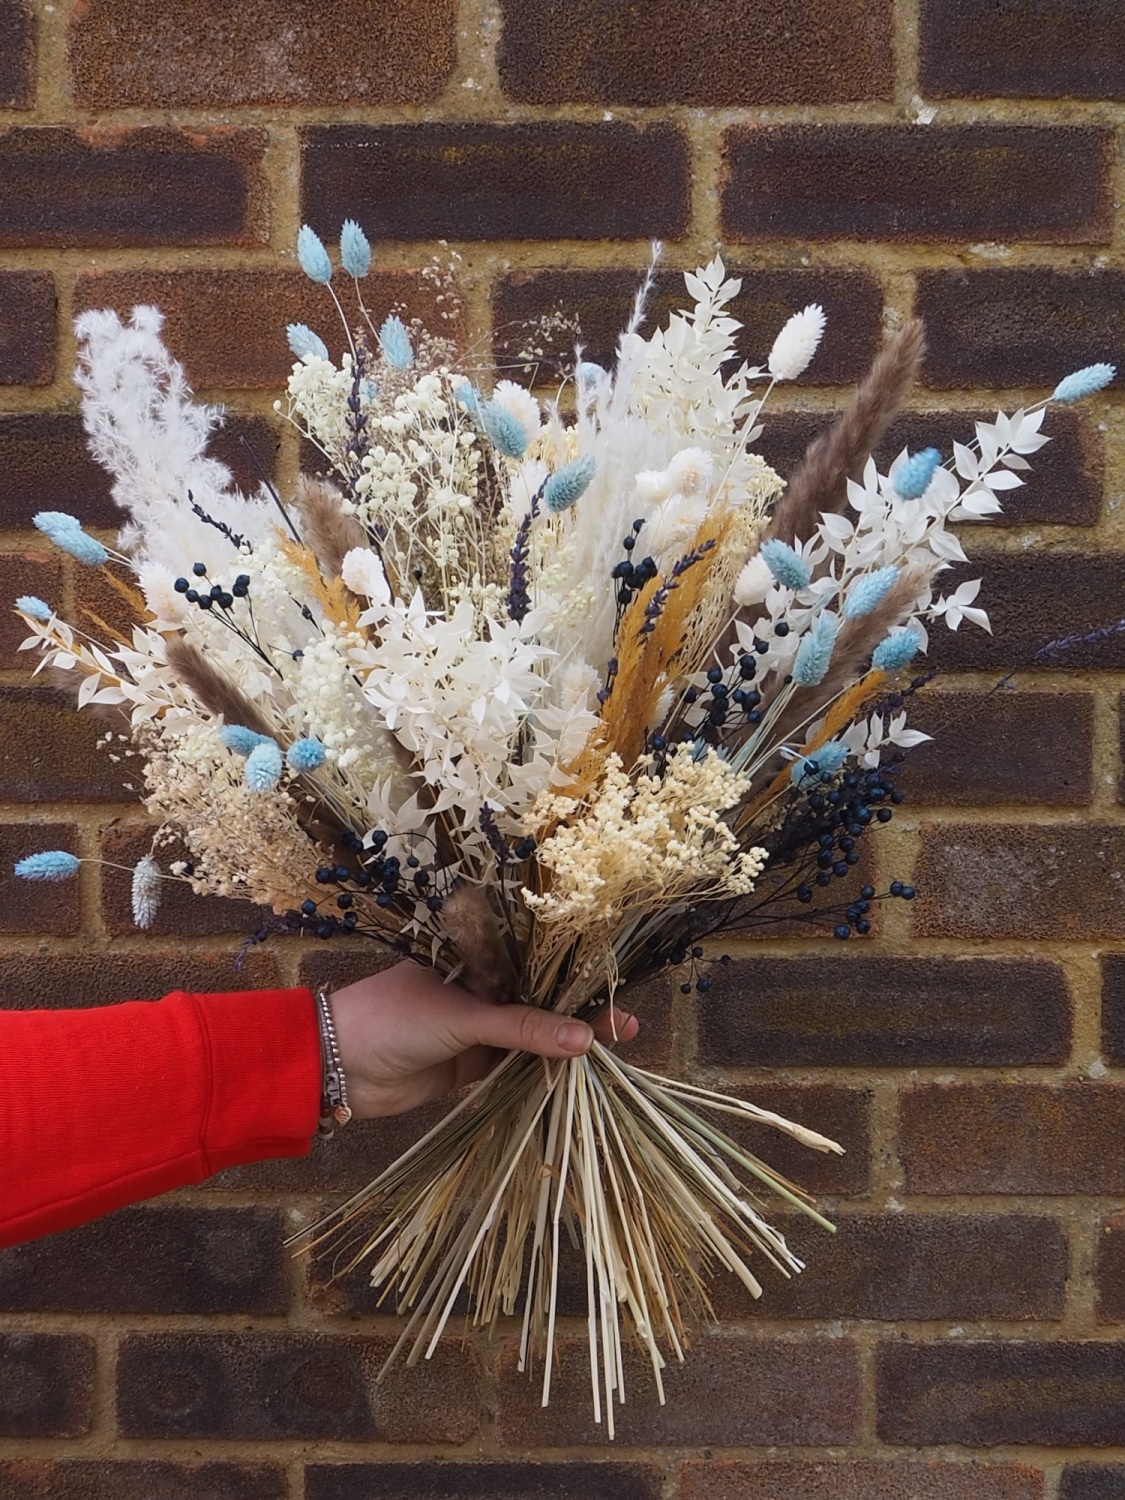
<point>46,1384</point>
<point>343,1165</point>
<point>154,186</point>
<point>1037,600</point>
<point>984,1394</point>
<point>196,53</point>
<point>1109,1274</point>
<point>482,1480</point>
<point>17,55</point>
<point>46,466</point>
<point>842,1114</point>
<point>1041,880</point>
<point>474,182</point>
<point>52,753</point>
<point>181,912</point>
<point>31,981</point>
<point>1092,1482</point>
<point>708,1396</point>
<point>27,328</point>
<point>35,573</point>
<point>1031,49</point>
<point>874,1011</point>
<point>863,1479</point>
<point>992,748</point>
<point>31,906</point>
<point>896,182</point>
<point>201,308</point>
<point>597,305</point>
<point>180,1260</point>
<point>1064,488</point>
<point>290,1385</point>
<point>1018,328</point>
<point>1066,482</point>
<point>1012,1137</point>
<point>139,1479</point>
<point>599,52</point>
<point>1113,1008</point>
<point>953,1267</point>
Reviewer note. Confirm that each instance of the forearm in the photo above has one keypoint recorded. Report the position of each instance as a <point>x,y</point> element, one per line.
<point>103,1107</point>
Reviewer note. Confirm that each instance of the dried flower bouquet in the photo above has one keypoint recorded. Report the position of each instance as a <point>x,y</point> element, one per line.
<point>546,695</point>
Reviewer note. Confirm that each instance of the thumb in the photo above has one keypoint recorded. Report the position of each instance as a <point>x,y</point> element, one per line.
<point>526,1028</point>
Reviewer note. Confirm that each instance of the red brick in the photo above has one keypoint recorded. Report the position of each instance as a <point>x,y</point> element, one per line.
<point>729,1390</point>
<point>874,1011</point>
<point>1042,880</point>
<point>1036,600</point>
<point>599,52</point>
<point>471,182</point>
<point>35,573</point>
<point>52,753</point>
<point>1031,49</point>
<point>31,906</point>
<point>154,186</point>
<point>984,1394</point>
<point>863,1479</point>
<point>952,1267</point>
<point>896,182</point>
<point>1064,489</point>
<point>482,1480</point>
<point>992,748</point>
<point>1012,1137</point>
<point>17,55</point>
<point>1092,1482</point>
<point>599,303</point>
<point>46,1385</point>
<point>194,53</point>
<point>1113,1008</point>
<point>30,981</point>
<point>27,328</point>
<point>180,1260</point>
<point>139,1479</point>
<point>1018,328</point>
<point>291,1386</point>
<point>1110,1271</point>
<point>201,309</point>
<point>181,913</point>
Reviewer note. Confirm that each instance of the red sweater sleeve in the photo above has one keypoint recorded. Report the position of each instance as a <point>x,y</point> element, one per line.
<point>103,1107</point>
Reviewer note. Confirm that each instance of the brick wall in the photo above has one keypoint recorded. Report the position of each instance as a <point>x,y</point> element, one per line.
<point>961,1338</point>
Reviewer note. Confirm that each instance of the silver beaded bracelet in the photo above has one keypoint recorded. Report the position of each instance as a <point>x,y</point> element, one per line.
<point>334,1088</point>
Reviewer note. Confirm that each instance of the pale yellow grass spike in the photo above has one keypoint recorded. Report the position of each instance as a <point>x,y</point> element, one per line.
<point>848,706</point>
<point>335,598</point>
<point>97,620</point>
<point>646,663</point>
<point>133,597</point>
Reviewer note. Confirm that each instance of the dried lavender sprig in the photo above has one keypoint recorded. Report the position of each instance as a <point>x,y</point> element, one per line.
<point>519,594</point>
<point>655,607</point>
<point>1090,638</point>
<point>234,538</point>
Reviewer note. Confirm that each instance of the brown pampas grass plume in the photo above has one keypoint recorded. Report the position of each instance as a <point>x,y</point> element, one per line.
<point>216,693</point>
<point>326,529</point>
<point>474,931</point>
<point>819,483</point>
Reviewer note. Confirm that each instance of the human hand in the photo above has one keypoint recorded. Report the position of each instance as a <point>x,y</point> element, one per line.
<point>405,1037</point>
